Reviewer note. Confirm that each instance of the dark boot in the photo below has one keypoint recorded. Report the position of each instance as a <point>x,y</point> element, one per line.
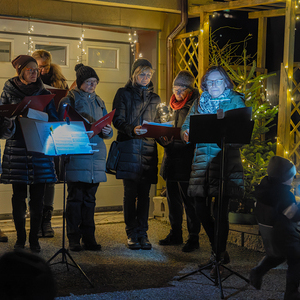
<point>173,238</point>
<point>291,289</point>
<point>74,242</point>
<point>47,230</point>
<point>266,264</point>
<point>21,234</point>
<point>89,243</point>
<point>35,225</point>
<point>191,244</point>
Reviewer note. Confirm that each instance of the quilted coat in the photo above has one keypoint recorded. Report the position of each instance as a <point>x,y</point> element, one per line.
<point>138,156</point>
<point>87,168</point>
<point>19,165</point>
<point>205,174</point>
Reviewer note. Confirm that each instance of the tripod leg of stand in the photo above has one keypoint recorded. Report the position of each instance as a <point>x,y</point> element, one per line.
<point>79,268</point>
<point>218,280</point>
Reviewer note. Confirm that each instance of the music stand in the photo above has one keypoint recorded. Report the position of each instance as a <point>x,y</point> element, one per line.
<point>235,128</point>
<point>58,139</point>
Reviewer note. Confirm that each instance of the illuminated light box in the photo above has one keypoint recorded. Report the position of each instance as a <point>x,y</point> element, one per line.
<point>55,138</point>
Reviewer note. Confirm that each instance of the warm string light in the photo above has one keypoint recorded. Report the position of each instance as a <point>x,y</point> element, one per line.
<point>80,47</point>
<point>30,41</point>
<point>133,39</point>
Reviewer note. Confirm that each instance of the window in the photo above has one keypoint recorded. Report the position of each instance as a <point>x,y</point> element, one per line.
<point>59,53</point>
<point>104,58</point>
<point>5,51</point>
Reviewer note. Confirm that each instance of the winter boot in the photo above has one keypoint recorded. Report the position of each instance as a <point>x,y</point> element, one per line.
<point>35,224</point>
<point>191,244</point>
<point>47,230</point>
<point>21,234</point>
<point>89,243</point>
<point>291,289</point>
<point>173,238</point>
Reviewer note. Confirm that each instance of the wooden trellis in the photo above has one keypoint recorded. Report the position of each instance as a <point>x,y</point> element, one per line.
<point>293,152</point>
<point>186,54</point>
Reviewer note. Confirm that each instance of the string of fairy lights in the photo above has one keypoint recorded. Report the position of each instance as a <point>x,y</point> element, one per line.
<point>30,43</point>
<point>81,47</point>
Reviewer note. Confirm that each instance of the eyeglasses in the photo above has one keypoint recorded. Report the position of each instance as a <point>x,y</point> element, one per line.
<point>217,82</point>
<point>91,82</point>
<point>179,91</point>
<point>32,71</point>
<point>144,75</point>
<point>46,67</point>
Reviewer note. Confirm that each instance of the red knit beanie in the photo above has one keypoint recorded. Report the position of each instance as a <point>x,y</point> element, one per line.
<point>21,61</point>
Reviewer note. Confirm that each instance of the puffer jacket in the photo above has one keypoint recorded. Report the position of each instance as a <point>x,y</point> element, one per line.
<point>87,168</point>
<point>178,156</point>
<point>205,174</point>
<point>138,156</point>
<point>19,165</point>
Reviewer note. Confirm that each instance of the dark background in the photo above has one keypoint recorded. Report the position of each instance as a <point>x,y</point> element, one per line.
<point>242,26</point>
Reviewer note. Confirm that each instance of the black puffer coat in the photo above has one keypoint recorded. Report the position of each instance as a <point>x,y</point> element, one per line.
<point>138,159</point>
<point>18,165</point>
<point>178,156</point>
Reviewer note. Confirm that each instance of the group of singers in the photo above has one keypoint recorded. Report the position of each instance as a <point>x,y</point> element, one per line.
<point>191,171</point>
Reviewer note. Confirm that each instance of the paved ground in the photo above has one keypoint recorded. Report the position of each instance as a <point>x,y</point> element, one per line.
<point>119,273</point>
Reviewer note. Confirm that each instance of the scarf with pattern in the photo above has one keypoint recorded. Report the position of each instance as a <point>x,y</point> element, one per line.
<point>208,105</point>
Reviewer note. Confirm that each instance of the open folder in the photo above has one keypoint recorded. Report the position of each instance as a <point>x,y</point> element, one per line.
<point>157,130</point>
<point>55,138</point>
<point>38,102</point>
<point>58,94</point>
<point>96,127</point>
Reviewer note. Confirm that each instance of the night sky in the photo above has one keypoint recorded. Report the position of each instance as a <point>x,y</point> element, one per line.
<point>244,26</point>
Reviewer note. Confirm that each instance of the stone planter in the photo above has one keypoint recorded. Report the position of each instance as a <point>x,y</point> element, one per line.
<point>240,218</point>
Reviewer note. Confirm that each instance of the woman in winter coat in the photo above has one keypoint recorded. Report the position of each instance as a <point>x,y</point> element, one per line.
<point>137,165</point>
<point>85,172</point>
<point>176,166</point>
<point>51,75</point>
<point>22,168</point>
<point>217,97</point>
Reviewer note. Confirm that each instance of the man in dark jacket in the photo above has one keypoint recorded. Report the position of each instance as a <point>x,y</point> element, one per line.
<point>278,213</point>
<point>176,166</point>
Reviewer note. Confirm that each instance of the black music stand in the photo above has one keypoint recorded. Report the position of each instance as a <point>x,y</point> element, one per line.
<point>71,139</point>
<point>235,128</point>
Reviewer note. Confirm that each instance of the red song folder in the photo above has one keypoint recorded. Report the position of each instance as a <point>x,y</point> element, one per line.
<point>96,126</point>
<point>38,102</point>
<point>157,130</point>
<point>59,94</point>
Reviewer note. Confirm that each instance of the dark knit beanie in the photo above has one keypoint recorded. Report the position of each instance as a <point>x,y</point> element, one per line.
<point>140,62</point>
<point>83,73</point>
<point>280,169</point>
<point>184,78</point>
<point>21,61</point>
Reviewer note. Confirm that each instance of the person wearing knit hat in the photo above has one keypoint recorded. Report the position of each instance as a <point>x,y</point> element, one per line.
<point>278,214</point>
<point>83,73</point>
<point>140,62</point>
<point>29,169</point>
<point>85,172</point>
<point>280,169</point>
<point>184,79</point>
<point>21,61</point>
<point>176,166</point>
<point>137,166</point>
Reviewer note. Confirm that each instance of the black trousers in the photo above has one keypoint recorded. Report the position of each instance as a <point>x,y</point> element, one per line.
<point>80,209</point>
<point>19,196</point>
<point>136,207</point>
<point>208,215</point>
<point>177,197</point>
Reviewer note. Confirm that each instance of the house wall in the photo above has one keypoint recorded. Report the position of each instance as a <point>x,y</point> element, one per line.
<point>60,23</point>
